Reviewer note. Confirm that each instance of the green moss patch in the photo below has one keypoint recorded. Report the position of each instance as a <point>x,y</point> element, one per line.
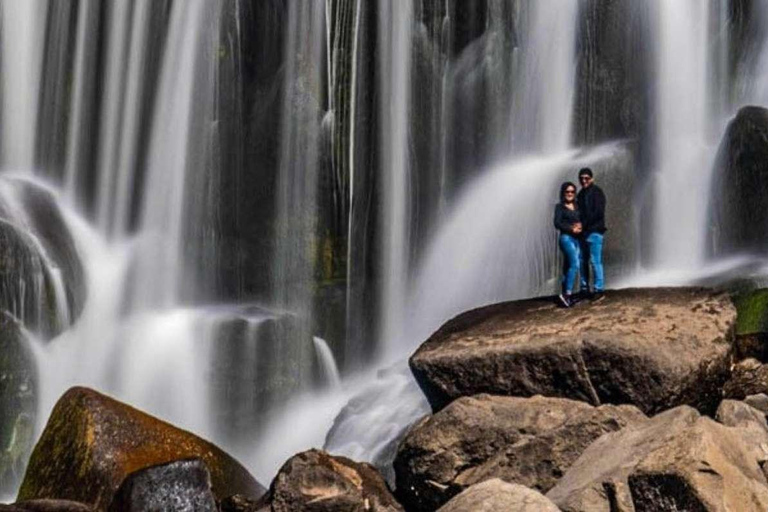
<point>752,308</point>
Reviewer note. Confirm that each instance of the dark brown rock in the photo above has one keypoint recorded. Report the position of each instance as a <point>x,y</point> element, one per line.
<point>654,348</point>
<point>314,481</point>
<point>739,216</point>
<point>240,503</point>
<point>748,377</point>
<point>528,441</point>
<point>46,506</point>
<point>92,443</point>
<point>179,486</point>
<point>676,459</point>
<point>498,495</point>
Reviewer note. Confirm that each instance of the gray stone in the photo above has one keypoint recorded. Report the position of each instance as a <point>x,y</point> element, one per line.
<point>179,486</point>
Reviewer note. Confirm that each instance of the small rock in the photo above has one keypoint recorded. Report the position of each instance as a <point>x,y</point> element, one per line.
<point>46,506</point>
<point>240,503</point>
<point>758,401</point>
<point>499,496</point>
<point>92,443</point>
<point>179,486</point>
<point>653,348</point>
<point>748,377</point>
<point>314,481</point>
<point>529,441</point>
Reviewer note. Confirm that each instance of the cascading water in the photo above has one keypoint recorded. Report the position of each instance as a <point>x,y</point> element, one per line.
<point>442,141</point>
<point>22,38</point>
<point>684,158</point>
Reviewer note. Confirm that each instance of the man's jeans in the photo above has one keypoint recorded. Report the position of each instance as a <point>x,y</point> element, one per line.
<point>570,247</point>
<point>592,255</point>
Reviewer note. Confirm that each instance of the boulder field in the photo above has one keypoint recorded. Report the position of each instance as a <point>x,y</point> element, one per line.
<point>643,401</point>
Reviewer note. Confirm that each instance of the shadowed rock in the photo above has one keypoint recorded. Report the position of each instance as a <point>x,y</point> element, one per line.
<point>314,481</point>
<point>493,495</point>
<point>18,403</point>
<point>179,486</point>
<point>46,506</point>
<point>654,348</point>
<point>529,441</point>
<point>92,443</point>
<point>748,377</point>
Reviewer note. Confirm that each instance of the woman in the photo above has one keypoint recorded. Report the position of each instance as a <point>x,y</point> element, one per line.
<point>568,223</point>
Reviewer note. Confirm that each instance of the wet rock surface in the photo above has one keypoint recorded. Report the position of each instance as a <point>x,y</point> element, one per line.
<point>528,441</point>
<point>92,443</point>
<point>497,495</point>
<point>739,216</point>
<point>179,486</point>
<point>314,481</point>
<point>18,403</point>
<point>654,348</point>
<point>47,506</point>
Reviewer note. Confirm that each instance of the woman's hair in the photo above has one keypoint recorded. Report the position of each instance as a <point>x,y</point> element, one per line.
<point>563,187</point>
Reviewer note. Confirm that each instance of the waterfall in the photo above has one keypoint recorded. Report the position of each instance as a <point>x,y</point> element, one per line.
<point>544,104</point>
<point>684,158</point>
<point>23,25</point>
<point>395,26</point>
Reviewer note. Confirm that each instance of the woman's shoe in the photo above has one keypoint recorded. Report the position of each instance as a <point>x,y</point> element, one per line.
<point>564,300</point>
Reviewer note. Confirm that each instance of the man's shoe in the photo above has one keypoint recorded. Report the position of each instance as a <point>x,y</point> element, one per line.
<point>564,300</point>
<point>597,296</point>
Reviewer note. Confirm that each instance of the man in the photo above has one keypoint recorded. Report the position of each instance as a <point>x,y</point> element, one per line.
<point>591,201</point>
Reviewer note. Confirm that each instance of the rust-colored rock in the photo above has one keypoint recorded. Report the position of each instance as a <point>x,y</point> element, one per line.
<point>314,481</point>
<point>93,442</point>
<point>653,348</point>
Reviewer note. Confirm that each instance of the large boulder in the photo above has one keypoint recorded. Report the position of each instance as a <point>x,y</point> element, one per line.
<point>528,441</point>
<point>499,496</point>
<point>92,443</point>
<point>18,403</point>
<point>676,459</point>
<point>314,481</point>
<point>178,486</point>
<point>42,275</point>
<point>739,217</point>
<point>654,348</point>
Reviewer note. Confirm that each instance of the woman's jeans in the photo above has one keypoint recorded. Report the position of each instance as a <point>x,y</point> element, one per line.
<point>592,255</point>
<point>570,247</point>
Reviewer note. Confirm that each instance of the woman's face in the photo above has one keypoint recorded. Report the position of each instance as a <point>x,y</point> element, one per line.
<point>569,195</point>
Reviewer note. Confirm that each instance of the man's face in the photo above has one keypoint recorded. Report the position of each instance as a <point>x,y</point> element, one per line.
<point>585,180</point>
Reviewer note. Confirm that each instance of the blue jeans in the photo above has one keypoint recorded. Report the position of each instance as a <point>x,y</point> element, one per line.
<point>592,256</point>
<point>570,247</point>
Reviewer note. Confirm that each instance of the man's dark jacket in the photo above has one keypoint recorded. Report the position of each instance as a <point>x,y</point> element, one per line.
<point>591,202</point>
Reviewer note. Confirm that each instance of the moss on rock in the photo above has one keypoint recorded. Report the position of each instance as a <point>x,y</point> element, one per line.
<point>92,442</point>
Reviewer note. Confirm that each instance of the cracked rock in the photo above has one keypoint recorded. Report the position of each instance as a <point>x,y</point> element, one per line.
<point>678,460</point>
<point>653,348</point>
<point>527,441</point>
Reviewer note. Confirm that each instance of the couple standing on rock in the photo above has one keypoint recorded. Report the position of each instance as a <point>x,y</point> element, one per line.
<point>581,222</point>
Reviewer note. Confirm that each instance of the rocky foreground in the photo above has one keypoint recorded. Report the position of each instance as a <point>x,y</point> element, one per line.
<point>650,400</point>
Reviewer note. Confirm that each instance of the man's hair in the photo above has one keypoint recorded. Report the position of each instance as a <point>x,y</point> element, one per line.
<point>585,171</point>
